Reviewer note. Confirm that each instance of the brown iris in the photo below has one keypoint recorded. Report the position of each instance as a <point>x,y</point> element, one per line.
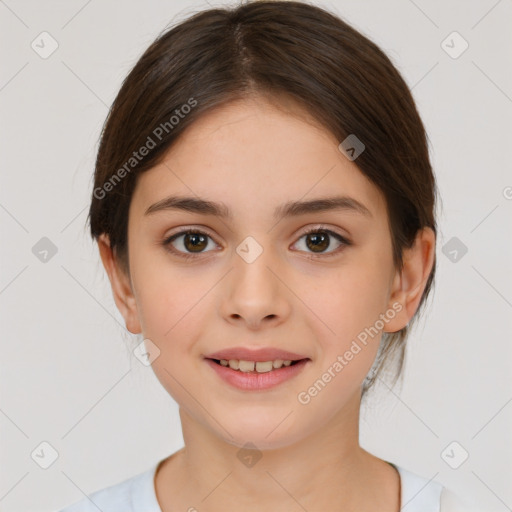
<point>195,242</point>
<point>319,241</point>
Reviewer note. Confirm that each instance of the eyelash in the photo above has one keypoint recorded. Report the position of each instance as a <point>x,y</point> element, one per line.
<point>320,229</point>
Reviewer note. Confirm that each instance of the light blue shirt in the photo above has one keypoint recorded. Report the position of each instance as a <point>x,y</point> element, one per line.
<point>137,494</point>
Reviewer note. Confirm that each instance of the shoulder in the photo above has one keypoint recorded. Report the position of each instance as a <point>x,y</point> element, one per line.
<point>132,495</point>
<point>420,494</point>
<point>451,502</point>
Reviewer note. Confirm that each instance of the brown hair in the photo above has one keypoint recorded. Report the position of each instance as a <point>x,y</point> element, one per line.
<point>340,77</point>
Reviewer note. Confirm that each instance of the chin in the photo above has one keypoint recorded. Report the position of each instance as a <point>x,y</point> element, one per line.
<point>259,441</point>
<point>256,432</point>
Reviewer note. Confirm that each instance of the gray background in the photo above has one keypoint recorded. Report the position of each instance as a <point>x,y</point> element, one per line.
<point>67,374</point>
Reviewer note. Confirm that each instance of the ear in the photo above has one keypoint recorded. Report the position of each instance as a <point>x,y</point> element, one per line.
<point>409,283</point>
<point>121,286</point>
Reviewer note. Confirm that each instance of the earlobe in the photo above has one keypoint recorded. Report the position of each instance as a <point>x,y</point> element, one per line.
<point>121,286</point>
<point>409,282</point>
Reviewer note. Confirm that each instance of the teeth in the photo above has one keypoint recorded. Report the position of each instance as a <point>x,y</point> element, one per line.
<point>244,366</point>
<point>250,366</point>
<point>264,366</point>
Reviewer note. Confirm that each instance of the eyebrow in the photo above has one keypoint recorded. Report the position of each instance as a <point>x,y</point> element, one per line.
<point>289,209</point>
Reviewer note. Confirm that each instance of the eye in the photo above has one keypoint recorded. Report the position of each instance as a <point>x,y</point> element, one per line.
<point>193,243</point>
<point>318,240</point>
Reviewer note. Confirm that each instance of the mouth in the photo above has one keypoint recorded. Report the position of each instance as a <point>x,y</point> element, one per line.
<point>256,376</point>
<point>246,366</point>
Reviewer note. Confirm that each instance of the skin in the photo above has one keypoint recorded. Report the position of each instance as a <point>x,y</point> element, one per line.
<point>254,155</point>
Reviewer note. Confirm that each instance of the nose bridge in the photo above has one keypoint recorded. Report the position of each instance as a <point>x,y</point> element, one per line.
<point>253,260</point>
<point>255,292</point>
<point>251,250</point>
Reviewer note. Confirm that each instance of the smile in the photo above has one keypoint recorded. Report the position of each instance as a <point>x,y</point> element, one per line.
<point>256,375</point>
<point>251,366</point>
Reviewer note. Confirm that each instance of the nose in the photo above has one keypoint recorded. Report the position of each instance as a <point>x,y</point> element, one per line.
<point>254,294</point>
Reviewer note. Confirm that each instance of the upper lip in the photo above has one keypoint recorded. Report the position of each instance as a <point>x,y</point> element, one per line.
<point>255,354</point>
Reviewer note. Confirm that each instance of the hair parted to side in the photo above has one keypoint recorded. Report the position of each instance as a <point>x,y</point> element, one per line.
<point>274,49</point>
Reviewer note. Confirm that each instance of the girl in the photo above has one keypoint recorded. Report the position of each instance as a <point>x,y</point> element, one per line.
<point>264,208</point>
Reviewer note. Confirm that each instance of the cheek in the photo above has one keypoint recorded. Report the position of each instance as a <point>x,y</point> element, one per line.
<point>172,311</point>
<point>352,298</point>
<point>168,300</point>
<point>348,305</point>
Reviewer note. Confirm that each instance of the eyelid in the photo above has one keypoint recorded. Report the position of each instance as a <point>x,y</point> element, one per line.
<point>197,228</point>
<point>326,228</point>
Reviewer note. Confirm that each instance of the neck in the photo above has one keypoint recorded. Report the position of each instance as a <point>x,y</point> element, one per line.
<point>327,470</point>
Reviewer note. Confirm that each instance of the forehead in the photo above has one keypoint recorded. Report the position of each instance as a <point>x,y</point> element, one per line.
<point>256,155</point>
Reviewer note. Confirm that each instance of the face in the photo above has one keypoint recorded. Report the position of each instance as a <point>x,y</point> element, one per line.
<point>256,279</point>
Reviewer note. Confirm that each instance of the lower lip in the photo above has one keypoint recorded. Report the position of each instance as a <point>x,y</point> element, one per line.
<point>248,381</point>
